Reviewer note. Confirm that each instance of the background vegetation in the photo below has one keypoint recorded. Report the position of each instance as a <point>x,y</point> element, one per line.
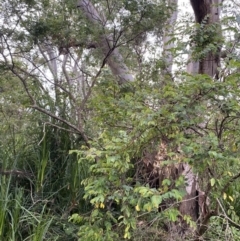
<point>86,155</point>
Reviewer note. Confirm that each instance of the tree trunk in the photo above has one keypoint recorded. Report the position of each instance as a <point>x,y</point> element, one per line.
<point>206,12</point>
<point>196,201</point>
<point>110,52</point>
<point>168,44</point>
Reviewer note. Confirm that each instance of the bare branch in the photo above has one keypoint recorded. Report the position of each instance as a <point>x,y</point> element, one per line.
<point>111,54</point>
<point>77,129</point>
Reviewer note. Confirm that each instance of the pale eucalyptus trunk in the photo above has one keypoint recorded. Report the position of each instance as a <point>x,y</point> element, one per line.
<point>168,44</point>
<point>110,52</point>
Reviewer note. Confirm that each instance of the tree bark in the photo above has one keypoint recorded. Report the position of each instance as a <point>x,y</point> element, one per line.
<point>110,52</point>
<point>206,12</point>
<point>168,44</point>
<point>196,201</point>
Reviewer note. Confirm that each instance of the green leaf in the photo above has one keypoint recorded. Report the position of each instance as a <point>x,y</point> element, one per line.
<point>156,200</point>
<point>212,181</point>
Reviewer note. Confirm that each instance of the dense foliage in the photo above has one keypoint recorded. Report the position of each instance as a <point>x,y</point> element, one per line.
<point>83,157</point>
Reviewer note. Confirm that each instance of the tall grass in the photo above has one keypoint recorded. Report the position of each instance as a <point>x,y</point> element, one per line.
<point>36,205</point>
<point>16,221</point>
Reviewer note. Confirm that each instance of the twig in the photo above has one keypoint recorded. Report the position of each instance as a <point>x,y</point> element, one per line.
<point>226,216</point>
